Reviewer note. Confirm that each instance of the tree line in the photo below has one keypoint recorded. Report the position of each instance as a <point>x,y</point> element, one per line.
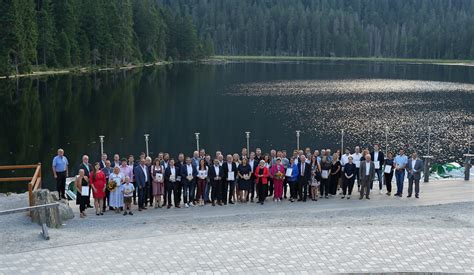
<point>68,33</point>
<point>435,29</point>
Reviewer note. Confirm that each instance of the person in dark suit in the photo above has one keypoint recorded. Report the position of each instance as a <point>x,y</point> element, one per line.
<point>378,159</point>
<point>188,178</point>
<point>216,174</point>
<point>179,180</point>
<point>414,168</point>
<point>304,176</point>
<point>103,160</point>
<point>229,168</point>
<point>142,176</point>
<point>366,176</point>
<point>171,173</point>
<point>87,167</point>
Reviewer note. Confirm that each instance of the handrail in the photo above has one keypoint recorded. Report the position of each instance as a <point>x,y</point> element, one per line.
<point>34,182</point>
<point>44,227</point>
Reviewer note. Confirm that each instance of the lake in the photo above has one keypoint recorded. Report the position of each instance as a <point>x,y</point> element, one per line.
<point>221,101</point>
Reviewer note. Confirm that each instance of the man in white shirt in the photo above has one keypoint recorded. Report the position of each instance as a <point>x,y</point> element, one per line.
<point>356,158</point>
<point>379,159</point>
<point>188,177</point>
<point>345,158</point>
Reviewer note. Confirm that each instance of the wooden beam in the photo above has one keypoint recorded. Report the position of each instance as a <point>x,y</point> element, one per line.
<point>16,179</point>
<point>15,167</point>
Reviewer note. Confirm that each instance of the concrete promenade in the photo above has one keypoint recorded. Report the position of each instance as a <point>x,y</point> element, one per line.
<point>386,234</point>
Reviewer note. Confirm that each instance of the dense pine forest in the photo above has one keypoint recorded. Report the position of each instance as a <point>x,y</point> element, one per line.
<point>365,28</point>
<point>65,33</point>
<point>71,33</point>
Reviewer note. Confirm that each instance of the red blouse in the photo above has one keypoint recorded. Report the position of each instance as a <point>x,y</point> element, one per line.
<point>264,177</point>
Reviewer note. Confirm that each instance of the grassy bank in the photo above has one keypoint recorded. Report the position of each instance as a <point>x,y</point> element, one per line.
<point>321,58</point>
<point>71,70</point>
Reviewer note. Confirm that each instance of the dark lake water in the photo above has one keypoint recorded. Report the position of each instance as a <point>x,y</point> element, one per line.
<point>222,101</point>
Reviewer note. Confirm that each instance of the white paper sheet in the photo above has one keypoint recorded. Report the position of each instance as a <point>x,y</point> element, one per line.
<point>85,191</point>
<point>377,164</point>
<point>388,169</point>
<point>230,176</point>
<point>289,172</point>
<point>325,174</point>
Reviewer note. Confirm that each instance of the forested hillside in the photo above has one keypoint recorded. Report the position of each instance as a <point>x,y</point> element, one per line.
<point>381,28</point>
<point>65,33</point>
<point>70,33</point>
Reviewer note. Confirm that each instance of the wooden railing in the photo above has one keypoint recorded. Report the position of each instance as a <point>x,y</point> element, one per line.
<point>34,182</point>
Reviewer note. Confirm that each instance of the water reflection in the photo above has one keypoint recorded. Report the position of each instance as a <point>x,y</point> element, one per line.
<point>223,101</point>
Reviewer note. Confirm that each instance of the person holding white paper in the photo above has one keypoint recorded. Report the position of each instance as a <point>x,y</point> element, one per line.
<point>324,186</point>
<point>201,181</point>
<point>188,178</point>
<point>230,171</point>
<point>171,173</point>
<point>356,158</point>
<point>388,173</point>
<point>292,176</point>
<point>378,159</point>
<point>82,183</point>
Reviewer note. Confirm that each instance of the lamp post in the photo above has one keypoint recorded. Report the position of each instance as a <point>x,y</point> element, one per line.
<point>146,143</point>
<point>247,135</point>
<point>428,158</point>
<point>386,140</point>
<point>342,142</point>
<point>468,156</point>
<point>298,139</point>
<point>197,141</point>
<point>101,145</point>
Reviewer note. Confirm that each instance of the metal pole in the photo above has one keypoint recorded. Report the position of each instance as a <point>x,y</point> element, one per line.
<point>247,135</point>
<point>429,139</point>
<point>468,156</point>
<point>298,140</point>
<point>197,141</point>
<point>342,142</point>
<point>101,145</point>
<point>146,143</point>
<point>386,140</point>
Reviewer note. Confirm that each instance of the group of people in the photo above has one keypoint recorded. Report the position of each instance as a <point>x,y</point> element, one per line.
<point>200,179</point>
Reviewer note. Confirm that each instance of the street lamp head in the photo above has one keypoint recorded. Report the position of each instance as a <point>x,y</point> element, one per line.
<point>298,133</point>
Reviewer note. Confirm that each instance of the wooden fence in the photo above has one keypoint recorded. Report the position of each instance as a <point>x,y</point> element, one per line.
<point>34,182</point>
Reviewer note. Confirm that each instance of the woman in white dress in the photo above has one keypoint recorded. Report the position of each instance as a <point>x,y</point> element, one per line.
<point>116,196</point>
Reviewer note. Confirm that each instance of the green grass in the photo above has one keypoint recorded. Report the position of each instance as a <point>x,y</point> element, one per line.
<point>321,58</point>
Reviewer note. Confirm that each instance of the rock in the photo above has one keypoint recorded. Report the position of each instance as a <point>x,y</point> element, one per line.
<point>55,195</point>
<point>65,211</point>
<point>50,216</point>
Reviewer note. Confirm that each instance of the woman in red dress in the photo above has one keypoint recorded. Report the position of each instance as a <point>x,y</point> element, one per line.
<point>98,182</point>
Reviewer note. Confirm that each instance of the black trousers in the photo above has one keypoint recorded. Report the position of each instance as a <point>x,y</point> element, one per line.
<point>347,185</point>
<point>302,186</point>
<point>224,190</point>
<point>216,190</point>
<point>252,188</point>
<point>262,191</point>
<point>293,191</point>
<point>388,181</point>
<point>333,184</point>
<point>141,196</point>
<point>270,187</point>
<point>170,188</point>
<point>178,191</point>
<point>324,187</point>
<point>61,184</point>
<point>135,191</point>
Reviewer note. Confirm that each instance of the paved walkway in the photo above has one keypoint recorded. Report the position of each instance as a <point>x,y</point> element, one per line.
<point>432,234</point>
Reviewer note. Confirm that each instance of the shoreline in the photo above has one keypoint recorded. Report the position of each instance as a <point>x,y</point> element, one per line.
<point>222,59</point>
<point>448,62</point>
